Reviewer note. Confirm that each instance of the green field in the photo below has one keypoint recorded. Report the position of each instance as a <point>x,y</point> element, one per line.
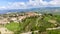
<point>29,24</point>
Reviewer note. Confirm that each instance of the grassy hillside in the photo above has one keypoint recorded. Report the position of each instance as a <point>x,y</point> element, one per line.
<point>40,23</point>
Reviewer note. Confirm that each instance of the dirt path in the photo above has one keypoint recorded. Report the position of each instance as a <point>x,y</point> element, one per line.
<point>38,20</point>
<point>46,29</point>
<point>53,28</point>
<point>29,32</point>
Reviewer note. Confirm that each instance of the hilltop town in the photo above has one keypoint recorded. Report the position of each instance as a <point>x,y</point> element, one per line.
<point>13,17</point>
<point>29,23</point>
<point>7,18</point>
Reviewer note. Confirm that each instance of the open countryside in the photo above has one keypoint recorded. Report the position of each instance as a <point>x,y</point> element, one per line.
<point>29,16</point>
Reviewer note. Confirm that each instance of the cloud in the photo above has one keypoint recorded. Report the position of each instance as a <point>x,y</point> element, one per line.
<point>54,3</point>
<point>2,7</point>
<point>31,4</point>
<point>14,5</point>
<point>17,5</point>
<point>42,3</point>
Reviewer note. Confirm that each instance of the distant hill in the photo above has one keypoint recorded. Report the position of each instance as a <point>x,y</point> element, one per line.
<point>42,9</point>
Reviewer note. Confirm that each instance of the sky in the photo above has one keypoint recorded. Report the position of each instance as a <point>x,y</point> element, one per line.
<point>26,4</point>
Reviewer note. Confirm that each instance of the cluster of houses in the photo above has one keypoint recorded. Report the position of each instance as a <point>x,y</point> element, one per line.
<point>16,18</point>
